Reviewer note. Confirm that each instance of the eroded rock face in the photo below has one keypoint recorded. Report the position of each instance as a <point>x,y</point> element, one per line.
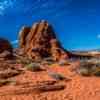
<point>22,35</point>
<point>5,49</point>
<point>40,42</point>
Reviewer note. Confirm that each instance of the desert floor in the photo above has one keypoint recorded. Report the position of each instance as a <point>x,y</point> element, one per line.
<point>76,87</point>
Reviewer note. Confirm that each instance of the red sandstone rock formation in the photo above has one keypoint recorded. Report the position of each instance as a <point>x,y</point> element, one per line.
<point>5,49</point>
<point>23,33</point>
<point>5,45</point>
<point>40,42</point>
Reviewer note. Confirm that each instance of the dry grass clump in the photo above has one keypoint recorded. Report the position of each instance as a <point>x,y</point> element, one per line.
<point>33,67</point>
<point>23,60</point>
<point>84,72</point>
<point>89,69</point>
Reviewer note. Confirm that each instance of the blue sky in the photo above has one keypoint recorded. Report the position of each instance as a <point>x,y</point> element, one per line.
<point>76,22</point>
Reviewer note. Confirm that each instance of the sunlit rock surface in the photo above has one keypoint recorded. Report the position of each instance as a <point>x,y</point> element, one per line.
<point>40,41</point>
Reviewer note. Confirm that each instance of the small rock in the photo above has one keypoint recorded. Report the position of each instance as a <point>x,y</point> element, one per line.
<point>57,76</point>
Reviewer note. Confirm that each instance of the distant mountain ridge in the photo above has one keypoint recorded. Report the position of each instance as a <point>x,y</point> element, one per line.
<point>96,50</point>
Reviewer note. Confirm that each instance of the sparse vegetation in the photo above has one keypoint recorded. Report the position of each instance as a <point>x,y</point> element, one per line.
<point>24,60</point>
<point>33,67</point>
<point>89,69</point>
<point>84,71</point>
<point>96,71</point>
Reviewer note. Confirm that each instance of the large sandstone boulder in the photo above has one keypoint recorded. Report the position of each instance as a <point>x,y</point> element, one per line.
<point>22,35</point>
<point>5,49</point>
<point>40,41</point>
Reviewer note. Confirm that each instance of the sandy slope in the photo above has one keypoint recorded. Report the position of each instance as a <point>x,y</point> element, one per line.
<point>78,88</point>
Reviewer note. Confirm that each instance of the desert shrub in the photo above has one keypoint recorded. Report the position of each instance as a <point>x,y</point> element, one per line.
<point>33,67</point>
<point>89,69</point>
<point>24,60</point>
<point>84,71</point>
<point>96,71</point>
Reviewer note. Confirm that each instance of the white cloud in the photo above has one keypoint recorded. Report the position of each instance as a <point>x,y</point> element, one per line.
<point>14,42</point>
<point>5,4</point>
<point>98,36</point>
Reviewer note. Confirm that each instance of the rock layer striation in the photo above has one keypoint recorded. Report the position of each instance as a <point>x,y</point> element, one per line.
<point>40,41</point>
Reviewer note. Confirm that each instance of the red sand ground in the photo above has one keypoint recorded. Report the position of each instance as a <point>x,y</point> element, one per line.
<point>78,88</point>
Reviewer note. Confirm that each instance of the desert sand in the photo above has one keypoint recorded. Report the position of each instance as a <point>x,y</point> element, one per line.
<point>76,87</point>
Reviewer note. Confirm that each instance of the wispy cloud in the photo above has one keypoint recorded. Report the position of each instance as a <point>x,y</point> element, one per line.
<point>14,42</point>
<point>4,4</point>
<point>98,36</point>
